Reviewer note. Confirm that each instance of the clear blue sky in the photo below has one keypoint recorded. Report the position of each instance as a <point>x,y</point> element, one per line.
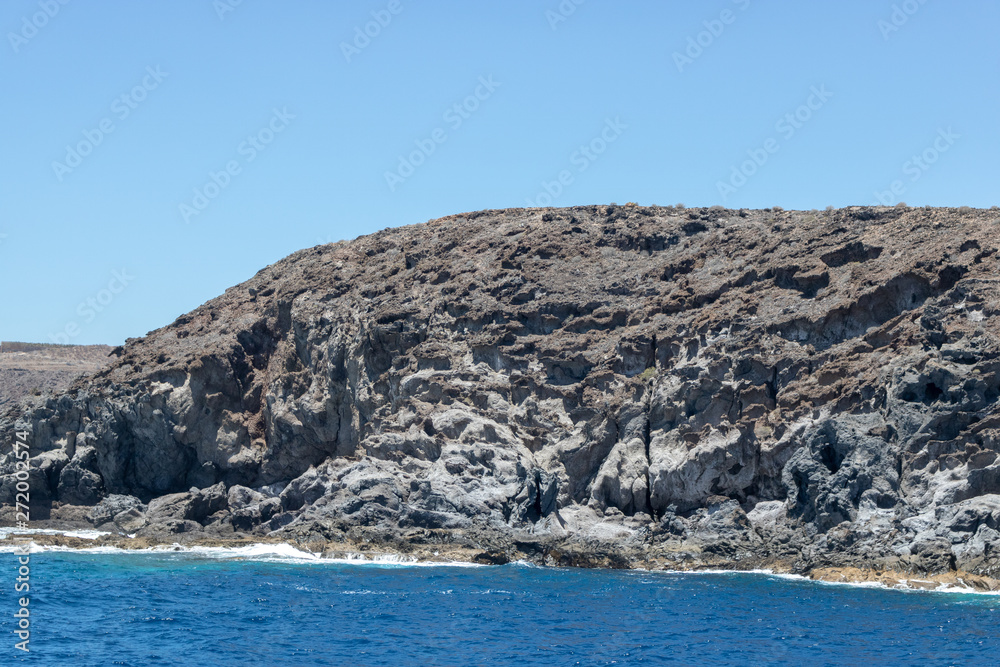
<point>187,89</point>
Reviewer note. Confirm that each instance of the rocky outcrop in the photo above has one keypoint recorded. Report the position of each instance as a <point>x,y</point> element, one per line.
<point>596,384</point>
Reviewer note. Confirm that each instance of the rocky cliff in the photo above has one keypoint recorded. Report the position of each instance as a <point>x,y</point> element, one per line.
<point>592,385</point>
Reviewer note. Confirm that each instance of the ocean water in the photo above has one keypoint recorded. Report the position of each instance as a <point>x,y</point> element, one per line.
<point>252,607</point>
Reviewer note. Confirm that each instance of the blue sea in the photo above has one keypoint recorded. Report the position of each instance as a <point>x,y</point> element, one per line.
<point>211,607</point>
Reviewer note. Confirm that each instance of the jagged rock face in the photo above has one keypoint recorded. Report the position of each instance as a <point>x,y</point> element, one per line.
<point>769,381</point>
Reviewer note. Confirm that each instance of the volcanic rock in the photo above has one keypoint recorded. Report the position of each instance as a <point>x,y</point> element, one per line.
<point>600,384</point>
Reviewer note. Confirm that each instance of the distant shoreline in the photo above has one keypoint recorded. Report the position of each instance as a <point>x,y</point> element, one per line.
<point>255,548</point>
<point>34,369</point>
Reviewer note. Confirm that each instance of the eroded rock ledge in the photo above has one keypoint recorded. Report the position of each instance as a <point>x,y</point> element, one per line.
<point>608,384</point>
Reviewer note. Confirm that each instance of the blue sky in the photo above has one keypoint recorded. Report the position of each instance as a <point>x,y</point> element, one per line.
<point>156,153</point>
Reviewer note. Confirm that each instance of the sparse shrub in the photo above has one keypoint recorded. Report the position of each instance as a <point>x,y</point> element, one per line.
<point>648,373</point>
<point>679,207</point>
<point>717,209</point>
<point>777,209</point>
<point>902,204</point>
<point>13,346</point>
<point>965,210</point>
<point>631,204</point>
<point>829,208</point>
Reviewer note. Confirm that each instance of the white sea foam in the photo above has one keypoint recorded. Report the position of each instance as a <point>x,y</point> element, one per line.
<point>35,548</point>
<point>941,588</point>
<point>278,552</point>
<point>286,553</point>
<point>395,560</point>
<point>764,572</point>
<point>82,534</point>
<point>864,584</point>
<point>945,588</point>
<point>249,552</point>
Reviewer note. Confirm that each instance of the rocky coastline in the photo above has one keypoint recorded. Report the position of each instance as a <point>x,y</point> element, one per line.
<point>809,392</point>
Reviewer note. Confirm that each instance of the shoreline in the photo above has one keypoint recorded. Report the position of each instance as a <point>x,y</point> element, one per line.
<point>264,548</point>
